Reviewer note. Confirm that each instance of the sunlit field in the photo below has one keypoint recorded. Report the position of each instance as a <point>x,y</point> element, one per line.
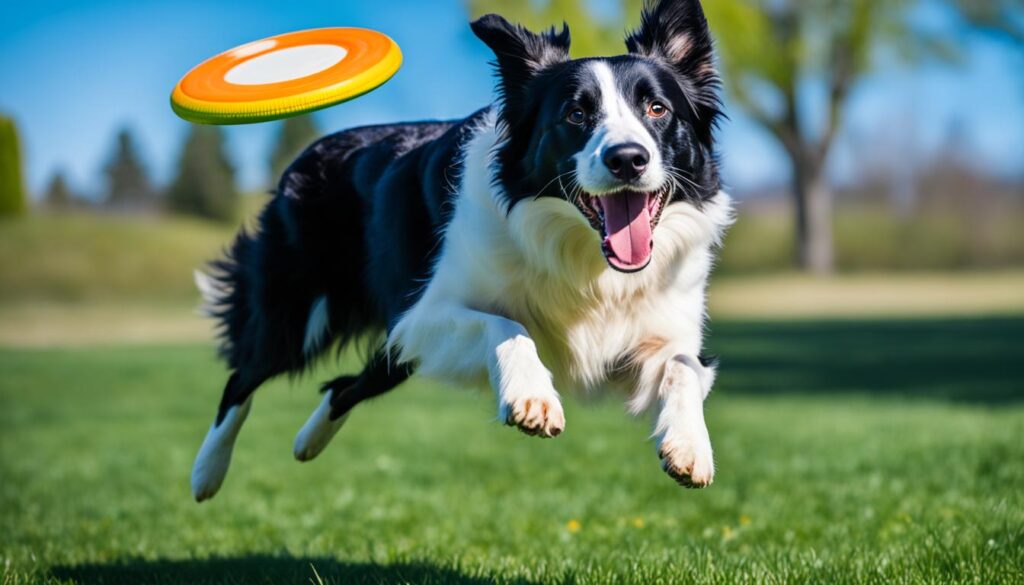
<point>850,451</point>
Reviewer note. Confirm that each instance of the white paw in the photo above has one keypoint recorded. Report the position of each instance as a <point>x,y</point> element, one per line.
<point>686,456</point>
<point>535,414</point>
<point>318,430</point>
<point>209,472</point>
<point>214,457</point>
<point>526,398</point>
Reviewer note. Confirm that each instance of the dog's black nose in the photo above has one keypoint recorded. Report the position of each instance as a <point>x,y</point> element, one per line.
<point>626,161</point>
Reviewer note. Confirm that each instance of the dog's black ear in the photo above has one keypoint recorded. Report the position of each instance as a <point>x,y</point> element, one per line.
<point>676,32</point>
<point>520,54</point>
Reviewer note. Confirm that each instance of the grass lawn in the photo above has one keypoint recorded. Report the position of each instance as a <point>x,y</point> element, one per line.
<point>848,451</point>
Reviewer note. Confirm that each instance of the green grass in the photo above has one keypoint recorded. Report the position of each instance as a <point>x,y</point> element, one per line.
<point>865,451</point>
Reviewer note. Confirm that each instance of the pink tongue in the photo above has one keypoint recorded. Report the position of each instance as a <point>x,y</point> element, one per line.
<point>628,222</point>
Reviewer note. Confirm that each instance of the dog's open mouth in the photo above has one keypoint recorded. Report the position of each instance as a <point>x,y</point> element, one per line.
<point>625,220</point>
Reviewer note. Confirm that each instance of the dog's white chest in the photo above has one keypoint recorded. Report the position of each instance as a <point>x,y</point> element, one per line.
<point>539,266</point>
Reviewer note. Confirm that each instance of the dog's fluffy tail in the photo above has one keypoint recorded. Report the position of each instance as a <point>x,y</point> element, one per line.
<point>226,290</point>
<point>213,291</point>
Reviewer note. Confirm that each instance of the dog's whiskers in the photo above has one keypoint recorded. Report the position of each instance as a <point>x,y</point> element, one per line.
<point>683,183</point>
<point>558,178</point>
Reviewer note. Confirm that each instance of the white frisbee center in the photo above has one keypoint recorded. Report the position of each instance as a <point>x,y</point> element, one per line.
<point>285,64</point>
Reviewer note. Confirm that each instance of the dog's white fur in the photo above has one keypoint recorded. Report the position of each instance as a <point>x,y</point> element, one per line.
<point>619,125</point>
<point>318,430</point>
<point>517,292</point>
<point>212,291</point>
<point>317,326</point>
<point>214,455</point>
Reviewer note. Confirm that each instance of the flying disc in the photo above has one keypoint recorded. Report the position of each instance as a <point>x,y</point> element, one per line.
<point>286,75</point>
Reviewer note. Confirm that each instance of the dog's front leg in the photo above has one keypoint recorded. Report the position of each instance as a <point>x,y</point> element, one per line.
<point>526,397</point>
<point>454,342</point>
<point>683,443</point>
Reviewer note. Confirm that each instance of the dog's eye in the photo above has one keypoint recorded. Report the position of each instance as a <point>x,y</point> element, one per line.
<point>576,116</point>
<point>656,110</point>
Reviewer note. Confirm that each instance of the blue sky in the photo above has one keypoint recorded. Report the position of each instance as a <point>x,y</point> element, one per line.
<point>74,72</point>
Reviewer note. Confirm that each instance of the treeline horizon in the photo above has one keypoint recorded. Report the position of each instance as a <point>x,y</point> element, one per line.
<point>940,213</point>
<point>203,183</point>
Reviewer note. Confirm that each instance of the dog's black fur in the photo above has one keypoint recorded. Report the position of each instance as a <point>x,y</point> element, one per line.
<point>358,217</point>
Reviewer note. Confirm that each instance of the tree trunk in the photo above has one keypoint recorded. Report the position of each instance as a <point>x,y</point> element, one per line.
<point>813,217</point>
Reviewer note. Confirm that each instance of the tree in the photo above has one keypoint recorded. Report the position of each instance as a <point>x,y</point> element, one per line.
<point>205,181</point>
<point>13,200</point>
<point>779,56</point>
<point>58,195</point>
<point>293,136</point>
<point>128,186</point>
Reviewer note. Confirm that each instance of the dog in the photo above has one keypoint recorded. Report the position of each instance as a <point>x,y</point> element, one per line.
<point>560,238</point>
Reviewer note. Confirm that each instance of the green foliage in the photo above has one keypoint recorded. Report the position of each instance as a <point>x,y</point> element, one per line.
<point>294,135</point>
<point>830,470</point>
<point>591,37</point>
<point>128,186</point>
<point>770,45</point>
<point>205,183</point>
<point>13,199</point>
<point>1002,16</point>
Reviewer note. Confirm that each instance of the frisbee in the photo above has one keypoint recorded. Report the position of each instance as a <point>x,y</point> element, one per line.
<point>286,75</point>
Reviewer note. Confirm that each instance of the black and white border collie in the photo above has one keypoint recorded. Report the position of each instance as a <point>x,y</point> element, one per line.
<point>561,238</point>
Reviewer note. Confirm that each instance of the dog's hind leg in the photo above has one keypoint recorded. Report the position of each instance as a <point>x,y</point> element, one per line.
<point>214,457</point>
<point>379,375</point>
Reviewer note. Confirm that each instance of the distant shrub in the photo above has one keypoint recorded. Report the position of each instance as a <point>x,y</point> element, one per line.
<point>294,135</point>
<point>13,200</point>
<point>128,186</point>
<point>58,195</point>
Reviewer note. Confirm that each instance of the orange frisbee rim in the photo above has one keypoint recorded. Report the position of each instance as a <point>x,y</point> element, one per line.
<point>204,95</point>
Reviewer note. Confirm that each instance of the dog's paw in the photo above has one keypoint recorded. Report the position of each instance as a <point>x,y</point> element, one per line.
<point>214,457</point>
<point>687,458</point>
<point>537,414</point>
<point>318,430</point>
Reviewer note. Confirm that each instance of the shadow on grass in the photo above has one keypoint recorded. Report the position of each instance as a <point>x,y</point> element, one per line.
<point>971,360</point>
<point>263,569</point>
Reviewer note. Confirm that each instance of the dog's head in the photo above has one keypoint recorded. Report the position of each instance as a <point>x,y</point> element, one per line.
<point>621,137</point>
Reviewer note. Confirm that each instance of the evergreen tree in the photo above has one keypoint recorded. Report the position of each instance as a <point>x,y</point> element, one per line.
<point>128,186</point>
<point>205,182</point>
<point>13,200</point>
<point>294,135</point>
<point>58,194</point>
